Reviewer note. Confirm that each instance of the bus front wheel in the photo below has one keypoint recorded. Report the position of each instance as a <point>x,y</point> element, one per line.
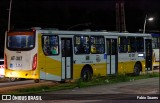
<point>86,74</point>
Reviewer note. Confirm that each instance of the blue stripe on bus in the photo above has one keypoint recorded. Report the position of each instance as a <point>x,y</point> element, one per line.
<point>155,35</point>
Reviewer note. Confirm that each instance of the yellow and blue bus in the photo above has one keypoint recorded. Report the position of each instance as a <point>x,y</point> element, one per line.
<point>156,49</point>
<point>69,55</point>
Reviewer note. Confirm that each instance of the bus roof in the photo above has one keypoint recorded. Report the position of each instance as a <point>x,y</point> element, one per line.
<point>63,32</point>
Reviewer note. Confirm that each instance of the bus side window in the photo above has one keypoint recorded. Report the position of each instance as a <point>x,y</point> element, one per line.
<point>132,44</point>
<point>140,46</point>
<point>50,44</point>
<point>46,49</point>
<point>122,44</point>
<point>97,44</point>
<point>81,45</point>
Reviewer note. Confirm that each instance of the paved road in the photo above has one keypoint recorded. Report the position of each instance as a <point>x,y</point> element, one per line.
<point>6,86</point>
<point>114,93</point>
<point>125,90</point>
<point>143,86</point>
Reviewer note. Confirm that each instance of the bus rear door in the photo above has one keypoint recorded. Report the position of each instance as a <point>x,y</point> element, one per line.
<point>112,56</point>
<point>67,58</point>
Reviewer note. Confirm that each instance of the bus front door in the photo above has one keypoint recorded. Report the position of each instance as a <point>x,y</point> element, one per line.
<point>112,56</point>
<point>67,58</point>
<point>148,48</point>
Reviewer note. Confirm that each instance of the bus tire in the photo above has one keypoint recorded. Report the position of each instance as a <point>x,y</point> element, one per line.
<point>36,80</point>
<point>12,79</point>
<point>86,74</point>
<point>137,69</point>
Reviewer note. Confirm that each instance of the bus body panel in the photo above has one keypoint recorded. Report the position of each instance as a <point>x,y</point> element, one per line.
<point>51,67</point>
<point>96,61</point>
<point>19,63</point>
<point>127,62</point>
<point>22,68</point>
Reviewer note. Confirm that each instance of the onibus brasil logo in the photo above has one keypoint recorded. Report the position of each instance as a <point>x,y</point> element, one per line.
<point>15,97</point>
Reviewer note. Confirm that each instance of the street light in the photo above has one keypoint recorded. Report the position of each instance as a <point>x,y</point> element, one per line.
<point>149,19</point>
<point>9,15</point>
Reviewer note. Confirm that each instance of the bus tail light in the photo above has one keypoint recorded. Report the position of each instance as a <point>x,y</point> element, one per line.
<point>5,62</point>
<point>34,63</point>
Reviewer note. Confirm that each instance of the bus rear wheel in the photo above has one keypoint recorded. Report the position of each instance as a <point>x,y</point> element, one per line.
<point>86,74</point>
<point>12,79</point>
<point>137,69</point>
<point>36,80</point>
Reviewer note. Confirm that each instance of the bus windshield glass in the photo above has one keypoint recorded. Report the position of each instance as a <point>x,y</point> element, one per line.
<point>20,40</point>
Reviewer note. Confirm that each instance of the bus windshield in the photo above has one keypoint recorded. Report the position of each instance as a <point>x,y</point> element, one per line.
<point>20,40</point>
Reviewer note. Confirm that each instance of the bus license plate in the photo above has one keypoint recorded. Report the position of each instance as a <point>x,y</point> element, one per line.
<point>18,65</point>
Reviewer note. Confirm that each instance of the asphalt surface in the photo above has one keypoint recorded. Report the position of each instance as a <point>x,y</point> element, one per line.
<point>135,91</point>
<point>141,91</point>
<point>125,90</point>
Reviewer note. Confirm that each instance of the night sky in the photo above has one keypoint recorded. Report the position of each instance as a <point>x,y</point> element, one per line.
<point>62,14</point>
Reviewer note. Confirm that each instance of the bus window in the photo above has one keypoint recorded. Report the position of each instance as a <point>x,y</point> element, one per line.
<point>50,45</point>
<point>97,44</point>
<point>140,46</point>
<point>122,44</point>
<point>81,45</point>
<point>131,44</point>
<point>20,41</point>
